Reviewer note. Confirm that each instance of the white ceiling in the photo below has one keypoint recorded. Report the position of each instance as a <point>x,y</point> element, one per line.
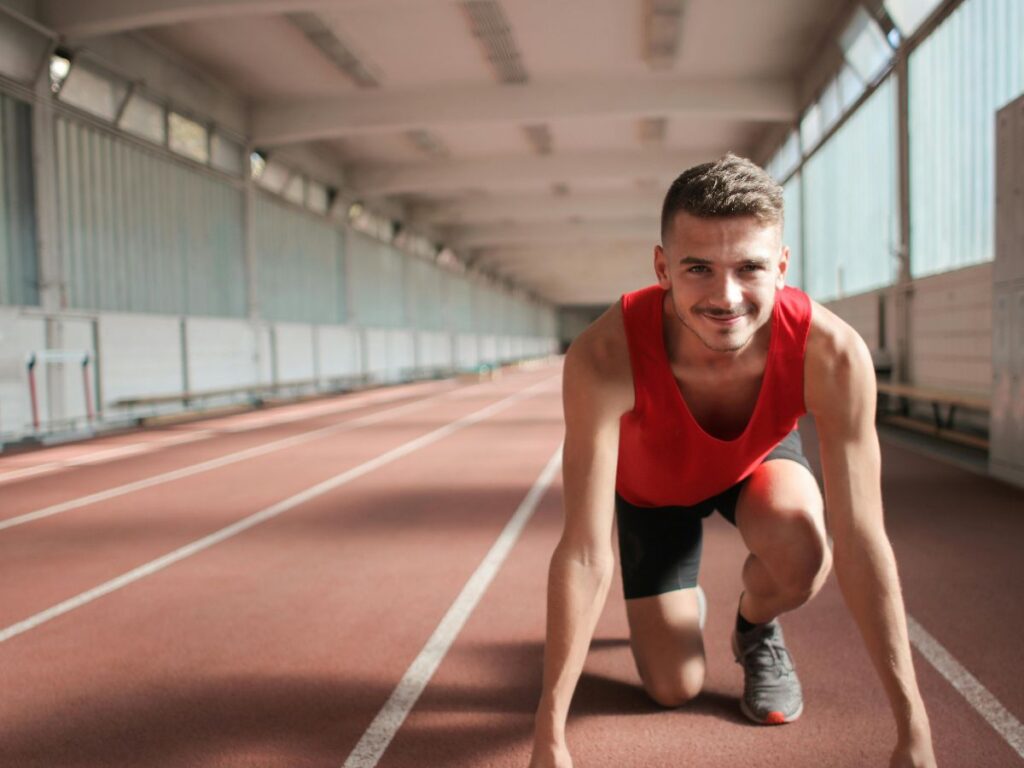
<point>574,222</point>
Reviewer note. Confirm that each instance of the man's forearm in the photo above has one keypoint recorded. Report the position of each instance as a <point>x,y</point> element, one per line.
<point>866,570</point>
<point>577,588</point>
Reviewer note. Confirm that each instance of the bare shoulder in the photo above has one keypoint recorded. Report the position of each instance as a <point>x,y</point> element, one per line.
<point>839,376</point>
<point>598,365</point>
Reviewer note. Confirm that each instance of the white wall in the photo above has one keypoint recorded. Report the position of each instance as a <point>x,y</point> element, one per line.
<point>951,329</point>
<point>19,335</point>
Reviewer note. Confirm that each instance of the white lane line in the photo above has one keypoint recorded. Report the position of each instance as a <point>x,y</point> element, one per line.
<point>385,725</point>
<point>220,461</point>
<point>977,695</point>
<point>268,513</point>
<point>212,428</point>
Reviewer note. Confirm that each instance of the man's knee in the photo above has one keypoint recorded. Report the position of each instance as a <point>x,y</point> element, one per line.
<point>805,561</point>
<point>678,687</point>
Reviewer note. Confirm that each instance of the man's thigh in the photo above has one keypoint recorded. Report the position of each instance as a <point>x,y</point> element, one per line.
<point>659,551</point>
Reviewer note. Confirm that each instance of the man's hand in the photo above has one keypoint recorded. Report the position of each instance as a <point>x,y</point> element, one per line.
<point>550,757</point>
<point>914,751</point>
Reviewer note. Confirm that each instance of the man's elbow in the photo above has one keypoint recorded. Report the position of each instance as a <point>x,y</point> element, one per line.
<point>589,555</point>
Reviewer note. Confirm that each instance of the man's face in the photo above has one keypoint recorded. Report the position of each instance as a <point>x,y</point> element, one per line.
<point>722,273</point>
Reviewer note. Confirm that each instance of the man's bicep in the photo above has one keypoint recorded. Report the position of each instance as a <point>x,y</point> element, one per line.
<point>850,455</point>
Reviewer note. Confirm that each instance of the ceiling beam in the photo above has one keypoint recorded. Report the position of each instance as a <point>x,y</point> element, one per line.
<point>497,208</point>
<point>392,111</point>
<point>554,234</point>
<point>511,172</point>
<point>92,18</point>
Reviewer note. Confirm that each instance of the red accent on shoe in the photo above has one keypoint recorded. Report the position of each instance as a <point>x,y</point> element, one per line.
<point>775,718</point>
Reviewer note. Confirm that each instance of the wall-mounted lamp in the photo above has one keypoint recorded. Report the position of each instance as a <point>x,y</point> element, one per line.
<point>60,67</point>
<point>257,163</point>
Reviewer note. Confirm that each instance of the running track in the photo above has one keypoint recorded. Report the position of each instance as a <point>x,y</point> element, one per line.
<point>250,590</point>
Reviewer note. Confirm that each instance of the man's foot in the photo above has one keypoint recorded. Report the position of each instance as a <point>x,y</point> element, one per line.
<point>771,690</point>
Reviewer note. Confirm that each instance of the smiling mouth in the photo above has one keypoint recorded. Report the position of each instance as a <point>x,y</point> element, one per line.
<point>723,320</point>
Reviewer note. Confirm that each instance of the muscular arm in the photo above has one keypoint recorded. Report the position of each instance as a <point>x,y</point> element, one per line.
<point>840,392</point>
<point>583,562</point>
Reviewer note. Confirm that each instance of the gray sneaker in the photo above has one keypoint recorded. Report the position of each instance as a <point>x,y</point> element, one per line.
<point>771,691</point>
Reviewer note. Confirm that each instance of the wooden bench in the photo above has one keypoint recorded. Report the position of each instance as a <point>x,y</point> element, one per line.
<point>257,393</point>
<point>939,398</point>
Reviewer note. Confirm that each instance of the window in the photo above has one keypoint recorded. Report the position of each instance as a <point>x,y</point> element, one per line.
<point>316,197</point>
<point>274,176</point>
<point>93,91</point>
<point>295,189</point>
<point>865,47</point>
<point>144,117</point>
<point>908,15</point>
<point>227,155</point>
<point>850,87</point>
<point>786,159</point>
<point>810,128</point>
<point>188,138</point>
<point>829,105</point>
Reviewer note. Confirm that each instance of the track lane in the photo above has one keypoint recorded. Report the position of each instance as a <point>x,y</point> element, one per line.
<point>478,710</point>
<point>54,559</point>
<point>175,449</point>
<point>278,646</point>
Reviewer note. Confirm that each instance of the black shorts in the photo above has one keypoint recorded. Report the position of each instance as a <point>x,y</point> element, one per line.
<point>659,547</point>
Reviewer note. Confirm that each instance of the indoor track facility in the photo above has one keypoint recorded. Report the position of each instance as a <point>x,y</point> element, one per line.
<point>286,288</point>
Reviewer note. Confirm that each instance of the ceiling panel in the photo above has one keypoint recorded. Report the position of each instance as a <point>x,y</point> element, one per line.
<point>411,42</point>
<point>581,134</point>
<point>572,37</point>
<point>690,133</point>
<point>482,140</point>
<point>380,148</point>
<point>740,38</point>
<point>264,57</point>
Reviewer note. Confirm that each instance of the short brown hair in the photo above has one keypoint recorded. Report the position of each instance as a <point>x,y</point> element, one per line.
<point>728,186</point>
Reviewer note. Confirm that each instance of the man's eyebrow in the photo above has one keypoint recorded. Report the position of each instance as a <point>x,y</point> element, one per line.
<point>756,260</point>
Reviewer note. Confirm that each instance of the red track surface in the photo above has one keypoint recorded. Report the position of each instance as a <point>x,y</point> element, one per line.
<point>278,646</point>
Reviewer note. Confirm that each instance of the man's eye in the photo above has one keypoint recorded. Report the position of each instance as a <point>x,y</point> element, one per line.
<point>697,269</point>
<point>752,267</point>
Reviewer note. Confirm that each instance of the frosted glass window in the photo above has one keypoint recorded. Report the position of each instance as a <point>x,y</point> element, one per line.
<point>791,231</point>
<point>786,159</point>
<point>810,128</point>
<point>93,92</point>
<point>968,68</point>
<point>909,14</point>
<point>316,197</point>
<point>227,155</point>
<point>274,176</point>
<point>19,279</point>
<point>188,138</point>
<point>829,106</point>
<point>144,117</point>
<point>851,215</point>
<point>865,46</point>
<point>850,87</point>
<point>295,190</point>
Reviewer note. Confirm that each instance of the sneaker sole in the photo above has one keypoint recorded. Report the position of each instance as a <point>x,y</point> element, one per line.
<point>773,718</point>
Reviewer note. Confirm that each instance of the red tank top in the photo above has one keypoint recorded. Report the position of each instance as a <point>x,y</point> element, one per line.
<point>665,457</point>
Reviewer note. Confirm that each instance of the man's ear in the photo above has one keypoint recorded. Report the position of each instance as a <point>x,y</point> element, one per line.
<point>780,281</point>
<point>661,267</point>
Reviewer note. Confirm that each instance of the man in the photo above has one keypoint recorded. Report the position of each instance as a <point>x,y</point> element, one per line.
<point>682,399</point>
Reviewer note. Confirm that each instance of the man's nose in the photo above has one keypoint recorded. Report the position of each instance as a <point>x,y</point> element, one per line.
<point>727,293</point>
